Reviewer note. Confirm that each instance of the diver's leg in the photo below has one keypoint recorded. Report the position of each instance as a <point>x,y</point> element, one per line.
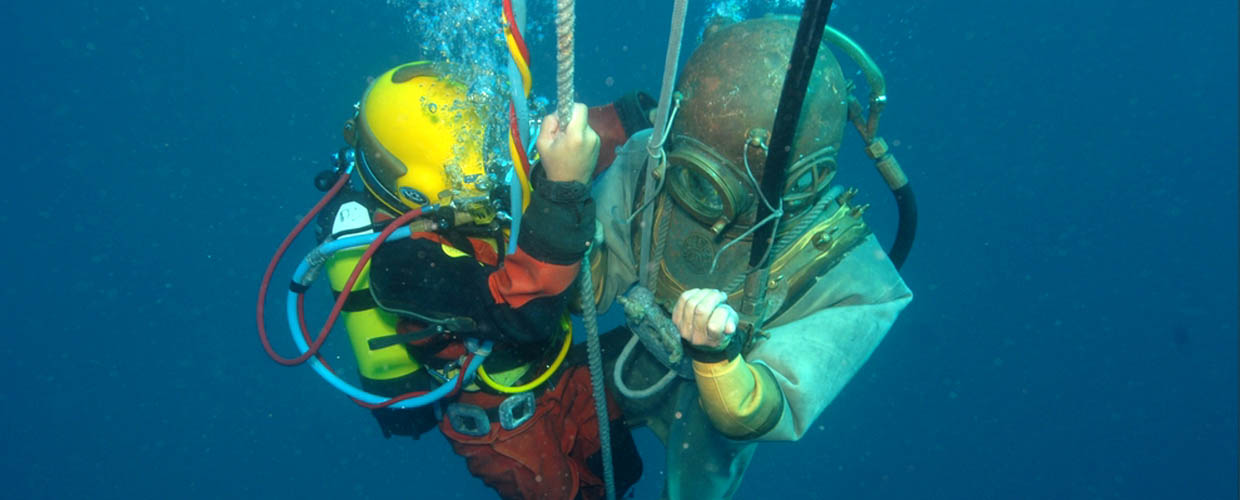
<point>555,454</point>
<point>701,462</point>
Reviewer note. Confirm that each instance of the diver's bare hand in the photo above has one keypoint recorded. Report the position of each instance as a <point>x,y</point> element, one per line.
<point>705,319</point>
<point>568,153</point>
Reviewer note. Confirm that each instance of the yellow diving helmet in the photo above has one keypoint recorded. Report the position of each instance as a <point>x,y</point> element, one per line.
<point>421,142</point>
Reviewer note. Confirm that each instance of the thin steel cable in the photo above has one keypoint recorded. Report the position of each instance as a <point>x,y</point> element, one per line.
<point>655,149</point>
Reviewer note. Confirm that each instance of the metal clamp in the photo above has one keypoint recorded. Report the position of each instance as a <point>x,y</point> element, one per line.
<point>468,419</point>
<point>516,410</point>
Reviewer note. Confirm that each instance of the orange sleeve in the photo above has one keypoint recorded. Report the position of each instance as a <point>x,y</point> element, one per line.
<point>523,278</point>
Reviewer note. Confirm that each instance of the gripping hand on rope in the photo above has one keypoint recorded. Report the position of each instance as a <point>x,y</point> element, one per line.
<point>569,151</point>
<point>705,319</point>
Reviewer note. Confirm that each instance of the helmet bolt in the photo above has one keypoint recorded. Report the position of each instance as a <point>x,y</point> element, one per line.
<point>822,241</point>
<point>757,137</point>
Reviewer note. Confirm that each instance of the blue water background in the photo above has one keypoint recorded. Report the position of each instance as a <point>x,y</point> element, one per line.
<point>1074,333</point>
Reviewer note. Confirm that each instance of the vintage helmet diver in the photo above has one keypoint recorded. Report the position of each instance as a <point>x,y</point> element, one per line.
<point>731,87</point>
<point>421,142</point>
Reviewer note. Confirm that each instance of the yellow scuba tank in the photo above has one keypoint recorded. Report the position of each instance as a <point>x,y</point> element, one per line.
<point>365,324</point>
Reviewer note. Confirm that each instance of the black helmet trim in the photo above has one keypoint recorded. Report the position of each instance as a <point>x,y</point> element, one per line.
<point>373,185</point>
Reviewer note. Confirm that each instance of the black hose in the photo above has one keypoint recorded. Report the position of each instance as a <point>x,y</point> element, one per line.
<point>800,69</point>
<point>907,228</point>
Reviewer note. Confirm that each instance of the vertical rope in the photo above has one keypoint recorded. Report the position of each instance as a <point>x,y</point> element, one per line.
<point>595,357</point>
<point>564,21</point>
<point>654,148</point>
<point>565,18</point>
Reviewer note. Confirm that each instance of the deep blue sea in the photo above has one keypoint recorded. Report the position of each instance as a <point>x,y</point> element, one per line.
<point>1074,332</point>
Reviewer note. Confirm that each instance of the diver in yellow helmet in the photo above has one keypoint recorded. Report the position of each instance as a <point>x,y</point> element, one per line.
<point>710,366</point>
<point>421,141</point>
<point>416,143</point>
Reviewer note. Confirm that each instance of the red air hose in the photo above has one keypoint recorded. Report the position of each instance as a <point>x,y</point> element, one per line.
<point>344,294</point>
<point>301,319</point>
<point>271,269</point>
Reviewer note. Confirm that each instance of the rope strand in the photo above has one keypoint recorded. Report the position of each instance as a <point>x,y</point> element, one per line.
<point>565,19</point>
<point>594,356</point>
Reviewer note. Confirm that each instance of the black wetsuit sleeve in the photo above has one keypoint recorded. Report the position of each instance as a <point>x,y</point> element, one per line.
<point>559,221</point>
<point>417,279</point>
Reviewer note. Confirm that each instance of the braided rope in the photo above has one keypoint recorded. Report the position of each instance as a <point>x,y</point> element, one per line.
<point>565,19</point>
<point>595,357</point>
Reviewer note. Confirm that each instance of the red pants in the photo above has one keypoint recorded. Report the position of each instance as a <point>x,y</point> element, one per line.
<point>547,456</point>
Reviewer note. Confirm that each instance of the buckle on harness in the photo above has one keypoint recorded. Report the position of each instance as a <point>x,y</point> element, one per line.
<point>516,410</point>
<point>468,419</point>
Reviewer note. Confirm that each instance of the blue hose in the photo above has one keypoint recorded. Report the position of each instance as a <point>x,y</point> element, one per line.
<point>515,202</point>
<point>522,108</point>
<point>320,255</point>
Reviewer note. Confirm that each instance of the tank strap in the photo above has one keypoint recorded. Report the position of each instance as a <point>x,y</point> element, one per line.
<point>358,300</point>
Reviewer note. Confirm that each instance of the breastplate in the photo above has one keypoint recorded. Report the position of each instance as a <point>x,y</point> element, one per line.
<point>690,251</point>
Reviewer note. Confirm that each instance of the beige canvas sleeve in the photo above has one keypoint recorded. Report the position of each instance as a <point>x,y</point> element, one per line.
<point>818,344</point>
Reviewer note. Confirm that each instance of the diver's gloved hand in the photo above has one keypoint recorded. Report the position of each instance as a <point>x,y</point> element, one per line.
<point>705,319</point>
<point>569,152</point>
